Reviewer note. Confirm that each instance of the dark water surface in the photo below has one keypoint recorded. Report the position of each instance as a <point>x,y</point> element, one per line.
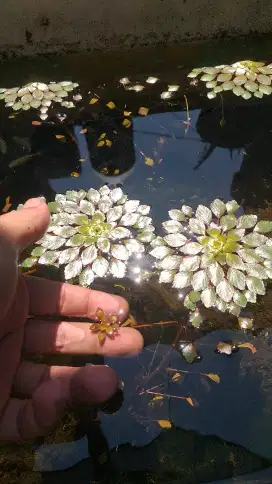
<point>193,163</point>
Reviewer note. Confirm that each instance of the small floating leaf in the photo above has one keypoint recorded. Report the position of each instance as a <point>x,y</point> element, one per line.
<point>213,377</point>
<point>29,262</point>
<point>93,100</point>
<point>245,323</point>
<point>224,347</point>
<point>73,269</point>
<point>149,161</point>
<point>143,111</point>
<point>250,346</point>
<point>263,227</point>
<point>110,105</point>
<point>164,424</point>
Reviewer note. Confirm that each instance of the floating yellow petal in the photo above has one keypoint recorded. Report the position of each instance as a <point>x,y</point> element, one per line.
<point>126,123</point>
<point>143,111</point>
<point>110,105</point>
<point>164,424</point>
<point>93,100</point>
<point>100,143</point>
<point>213,377</point>
<point>149,161</point>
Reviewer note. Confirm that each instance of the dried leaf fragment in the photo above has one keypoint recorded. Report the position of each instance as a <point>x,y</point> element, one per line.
<point>126,123</point>
<point>93,100</point>
<point>250,346</point>
<point>149,161</point>
<point>75,174</point>
<point>164,424</point>
<point>213,377</point>
<point>110,105</point>
<point>7,205</point>
<point>59,136</point>
<point>83,131</point>
<point>143,111</point>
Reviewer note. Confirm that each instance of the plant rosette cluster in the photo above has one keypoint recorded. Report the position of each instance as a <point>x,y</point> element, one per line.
<point>92,234</point>
<point>215,256</point>
<point>244,78</point>
<point>38,95</point>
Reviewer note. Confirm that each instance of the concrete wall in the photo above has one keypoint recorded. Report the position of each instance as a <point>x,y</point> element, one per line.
<point>36,26</point>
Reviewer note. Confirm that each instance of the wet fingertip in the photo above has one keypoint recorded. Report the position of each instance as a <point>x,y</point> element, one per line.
<point>33,203</point>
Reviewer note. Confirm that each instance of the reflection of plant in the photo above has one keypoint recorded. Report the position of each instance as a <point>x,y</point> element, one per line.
<point>222,259</point>
<point>243,78</point>
<point>38,95</point>
<point>91,234</point>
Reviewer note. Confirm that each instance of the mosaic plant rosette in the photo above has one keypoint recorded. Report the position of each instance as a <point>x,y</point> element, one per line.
<point>38,95</point>
<point>92,234</point>
<point>218,258</point>
<point>244,78</point>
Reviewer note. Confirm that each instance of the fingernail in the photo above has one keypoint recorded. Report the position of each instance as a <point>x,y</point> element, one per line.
<point>33,202</point>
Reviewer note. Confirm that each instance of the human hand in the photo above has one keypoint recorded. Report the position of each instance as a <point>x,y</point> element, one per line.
<point>47,391</point>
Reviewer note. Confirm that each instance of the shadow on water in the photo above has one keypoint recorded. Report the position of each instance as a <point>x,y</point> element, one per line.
<point>224,152</point>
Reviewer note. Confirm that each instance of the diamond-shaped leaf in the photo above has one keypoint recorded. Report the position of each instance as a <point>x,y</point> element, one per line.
<point>187,303</point>
<point>161,252</point>
<point>114,214</point>
<point>100,266</point>
<point>182,279</point>
<point>116,194</point>
<point>218,207</point>
<point>93,195</point>
<point>64,231</point>
<point>234,261</point>
<point>134,246</point>
<point>118,268</point>
<point>263,227</point>
<point>234,309</point>
<point>246,221</point>
<point>76,241</point>
<point>131,206</point>
<point>73,269</point>
<point>120,252</point>
<point>255,285</point>
<point>254,239</point>
<point>86,277</point>
<point>175,240</point>
<point>188,211</point>
<point>49,257</point>
<point>167,276</point>
<point>232,206</point>
<point>221,305</point>
<point>264,251</point>
<point>68,255</point>
<point>70,207</point>
<point>144,222</point>
<point>225,290</point>
<point>235,235</point>
<point>172,226</point>
<point>249,255</point>
<point>204,214</point>
<point>215,273</point>
<point>146,236</point>
<point>200,280</point>
<point>104,190</point>
<point>86,207</point>
<point>61,219</point>
<point>177,215</point>
<point>143,209</point>
<point>52,242</point>
<point>104,205</point>
<point>103,244</point>
<point>120,233</point>
<point>227,222</point>
<point>256,270</point>
<point>240,299</point>
<point>38,251</point>
<point>236,278</point>
<point>129,219</point>
<point>192,248</point>
<point>191,264</point>
<point>29,262</point>
<point>208,297</point>
<point>251,296</point>
<point>88,255</point>
<point>171,262</point>
<point>197,226</point>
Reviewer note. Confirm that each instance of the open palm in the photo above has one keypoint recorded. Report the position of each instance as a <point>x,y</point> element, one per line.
<point>46,392</point>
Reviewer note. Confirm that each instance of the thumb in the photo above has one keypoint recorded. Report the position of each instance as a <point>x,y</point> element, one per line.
<point>26,226</point>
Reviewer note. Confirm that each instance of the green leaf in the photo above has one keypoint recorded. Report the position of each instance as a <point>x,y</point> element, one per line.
<point>228,222</point>
<point>81,219</point>
<point>194,296</point>
<point>218,207</point>
<point>246,221</point>
<point>188,303</point>
<point>38,251</point>
<point>49,257</point>
<point>263,227</point>
<point>254,239</point>
<point>234,261</point>
<point>29,262</point>
<point>54,207</point>
<point>240,299</point>
<point>232,206</point>
<point>76,240</point>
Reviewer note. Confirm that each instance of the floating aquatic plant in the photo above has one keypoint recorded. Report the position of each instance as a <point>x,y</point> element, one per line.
<point>244,78</point>
<point>92,234</point>
<point>108,325</point>
<point>220,259</point>
<point>38,95</point>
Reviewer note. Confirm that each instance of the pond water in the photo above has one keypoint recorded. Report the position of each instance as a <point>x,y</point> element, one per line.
<point>185,150</point>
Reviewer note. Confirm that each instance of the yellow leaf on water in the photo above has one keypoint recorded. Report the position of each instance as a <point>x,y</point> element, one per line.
<point>126,123</point>
<point>60,136</point>
<point>93,100</point>
<point>213,377</point>
<point>143,111</point>
<point>81,160</point>
<point>100,143</point>
<point>83,131</point>
<point>164,424</point>
<point>108,142</point>
<point>250,346</point>
<point>157,397</point>
<point>7,205</point>
<point>75,174</point>
<point>176,377</point>
<point>116,172</point>
<point>190,401</point>
<point>110,105</point>
<point>127,113</point>
<point>103,135</point>
<point>149,161</point>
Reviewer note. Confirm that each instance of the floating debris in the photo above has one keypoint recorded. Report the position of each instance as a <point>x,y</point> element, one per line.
<point>226,347</point>
<point>93,234</point>
<point>246,323</point>
<point>218,256</point>
<point>244,78</point>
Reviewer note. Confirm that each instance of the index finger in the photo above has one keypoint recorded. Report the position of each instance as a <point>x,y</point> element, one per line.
<point>57,298</point>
